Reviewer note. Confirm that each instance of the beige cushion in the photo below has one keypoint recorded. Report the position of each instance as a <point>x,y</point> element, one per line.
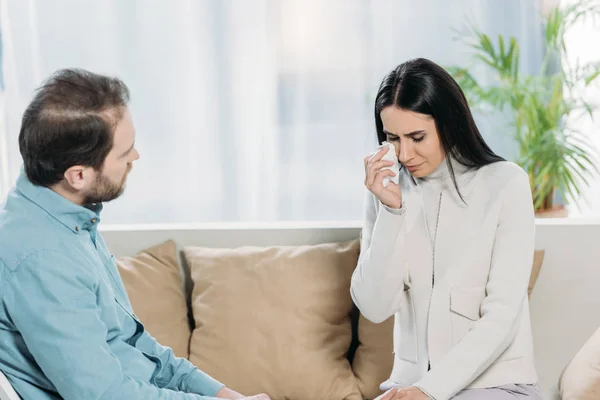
<point>374,358</point>
<point>275,319</point>
<point>153,283</point>
<point>581,378</point>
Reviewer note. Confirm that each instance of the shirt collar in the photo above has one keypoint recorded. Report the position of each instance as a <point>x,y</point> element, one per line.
<point>73,216</point>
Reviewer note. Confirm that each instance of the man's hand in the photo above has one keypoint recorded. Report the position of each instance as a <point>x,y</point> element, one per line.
<point>410,393</point>
<point>226,393</point>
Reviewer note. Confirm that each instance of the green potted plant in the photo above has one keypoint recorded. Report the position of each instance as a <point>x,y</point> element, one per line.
<point>555,154</point>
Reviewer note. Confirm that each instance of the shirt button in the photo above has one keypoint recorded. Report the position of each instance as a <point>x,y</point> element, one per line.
<point>94,220</point>
<point>77,228</point>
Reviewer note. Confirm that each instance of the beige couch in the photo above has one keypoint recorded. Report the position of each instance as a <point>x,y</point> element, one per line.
<point>564,303</point>
<point>268,295</point>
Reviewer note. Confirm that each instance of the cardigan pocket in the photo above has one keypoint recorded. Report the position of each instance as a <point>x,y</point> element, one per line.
<point>465,305</point>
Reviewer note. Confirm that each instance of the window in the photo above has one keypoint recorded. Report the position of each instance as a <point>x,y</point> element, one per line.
<point>246,111</point>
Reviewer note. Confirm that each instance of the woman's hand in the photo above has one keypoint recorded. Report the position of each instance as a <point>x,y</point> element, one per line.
<point>391,195</point>
<point>410,393</point>
<point>226,393</point>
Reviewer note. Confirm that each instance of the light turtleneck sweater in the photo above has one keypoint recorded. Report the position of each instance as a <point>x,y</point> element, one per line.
<point>432,186</point>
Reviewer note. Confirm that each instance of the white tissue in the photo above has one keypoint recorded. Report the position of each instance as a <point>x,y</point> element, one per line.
<point>391,156</point>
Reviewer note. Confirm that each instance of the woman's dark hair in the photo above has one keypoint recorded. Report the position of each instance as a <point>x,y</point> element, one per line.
<point>70,121</point>
<point>422,86</point>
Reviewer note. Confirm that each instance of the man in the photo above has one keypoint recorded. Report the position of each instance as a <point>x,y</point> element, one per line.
<point>67,329</point>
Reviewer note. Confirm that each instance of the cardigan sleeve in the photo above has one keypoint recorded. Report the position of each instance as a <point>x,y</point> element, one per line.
<point>378,280</point>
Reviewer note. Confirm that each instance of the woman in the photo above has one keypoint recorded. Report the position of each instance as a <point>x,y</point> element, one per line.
<point>448,250</point>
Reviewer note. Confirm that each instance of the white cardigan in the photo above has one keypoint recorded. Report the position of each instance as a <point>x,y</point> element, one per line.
<point>461,304</point>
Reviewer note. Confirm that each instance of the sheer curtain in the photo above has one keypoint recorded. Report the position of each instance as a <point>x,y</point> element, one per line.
<point>245,110</point>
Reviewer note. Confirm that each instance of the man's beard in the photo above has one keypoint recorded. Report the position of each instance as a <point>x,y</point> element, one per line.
<point>105,189</point>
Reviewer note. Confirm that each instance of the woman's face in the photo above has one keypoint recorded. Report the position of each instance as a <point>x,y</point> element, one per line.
<point>415,138</point>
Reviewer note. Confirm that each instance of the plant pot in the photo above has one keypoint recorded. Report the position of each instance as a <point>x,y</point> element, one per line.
<point>554,212</point>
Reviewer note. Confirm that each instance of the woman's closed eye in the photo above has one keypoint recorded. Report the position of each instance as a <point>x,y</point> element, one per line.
<point>394,138</point>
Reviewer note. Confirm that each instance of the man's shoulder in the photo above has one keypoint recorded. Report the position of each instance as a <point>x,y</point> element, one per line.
<point>40,259</point>
<point>24,233</point>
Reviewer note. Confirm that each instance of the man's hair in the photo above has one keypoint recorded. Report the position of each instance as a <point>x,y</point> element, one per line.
<point>70,121</point>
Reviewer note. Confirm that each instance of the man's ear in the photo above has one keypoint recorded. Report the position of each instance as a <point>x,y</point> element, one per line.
<point>78,176</point>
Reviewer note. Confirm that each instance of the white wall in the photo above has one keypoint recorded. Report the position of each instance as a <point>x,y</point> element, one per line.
<point>565,303</point>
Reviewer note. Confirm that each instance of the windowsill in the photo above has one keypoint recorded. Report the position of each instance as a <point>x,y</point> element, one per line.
<point>294,225</point>
<point>572,221</point>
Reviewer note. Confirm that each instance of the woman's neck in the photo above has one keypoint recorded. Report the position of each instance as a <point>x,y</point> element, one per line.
<point>442,172</point>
